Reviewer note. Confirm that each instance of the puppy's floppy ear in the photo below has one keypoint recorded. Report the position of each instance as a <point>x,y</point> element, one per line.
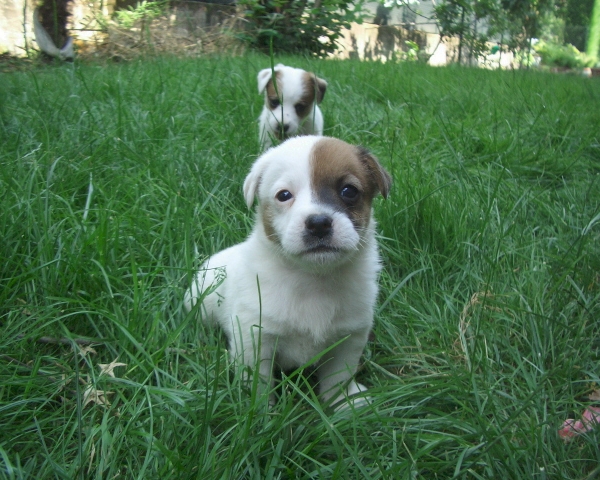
<point>264,76</point>
<point>320,87</point>
<point>253,179</point>
<point>380,177</point>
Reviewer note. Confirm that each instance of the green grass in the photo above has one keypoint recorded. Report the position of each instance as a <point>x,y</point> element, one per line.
<point>116,180</point>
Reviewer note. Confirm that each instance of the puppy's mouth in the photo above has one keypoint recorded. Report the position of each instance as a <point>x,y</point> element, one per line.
<point>283,134</point>
<point>322,252</point>
<point>324,256</point>
<point>322,249</point>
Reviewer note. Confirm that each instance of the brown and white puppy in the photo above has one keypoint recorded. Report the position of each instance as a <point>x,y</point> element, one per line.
<point>290,104</point>
<point>305,281</point>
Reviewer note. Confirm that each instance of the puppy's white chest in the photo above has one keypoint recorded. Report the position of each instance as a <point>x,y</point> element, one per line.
<point>301,309</point>
<point>298,348</point>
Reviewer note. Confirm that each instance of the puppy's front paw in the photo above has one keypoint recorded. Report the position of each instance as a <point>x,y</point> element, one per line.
<point>350,398</point>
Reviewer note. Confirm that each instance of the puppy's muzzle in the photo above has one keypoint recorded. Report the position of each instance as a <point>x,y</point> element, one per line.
<point>319,226</point>
<point>282,130</point>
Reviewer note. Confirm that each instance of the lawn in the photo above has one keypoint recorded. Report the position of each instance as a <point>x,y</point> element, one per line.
<point>117,180</point>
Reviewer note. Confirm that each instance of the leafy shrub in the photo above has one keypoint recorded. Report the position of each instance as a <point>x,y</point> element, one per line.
<point>142,11</point>
<point>412,54</point>
<point>298,26</point>
<point>567,56</point>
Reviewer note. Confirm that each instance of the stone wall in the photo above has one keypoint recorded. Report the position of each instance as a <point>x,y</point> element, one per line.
<point>16,26</point>
<point>187,20</point>
<point>369,41</point>
<point>194,27</point>
<point>16,23</point>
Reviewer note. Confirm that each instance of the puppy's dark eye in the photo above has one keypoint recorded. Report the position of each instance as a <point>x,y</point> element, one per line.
<point>349,192</point>
<point>274,102</point>
<point>284,196</point>
<point>300,108</point>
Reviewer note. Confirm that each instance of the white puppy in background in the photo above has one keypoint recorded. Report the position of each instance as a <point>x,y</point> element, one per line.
<point>290,104</point>
<point>305,280</point>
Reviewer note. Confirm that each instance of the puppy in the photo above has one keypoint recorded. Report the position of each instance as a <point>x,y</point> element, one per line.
<point>304,283</point>
<point>290,104</point>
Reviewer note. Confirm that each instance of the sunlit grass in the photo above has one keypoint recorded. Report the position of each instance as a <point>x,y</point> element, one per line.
<point>116,180</point>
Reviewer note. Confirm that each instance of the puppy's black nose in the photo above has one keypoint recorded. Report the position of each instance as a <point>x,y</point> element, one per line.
<point>319,225</point>
<point>285,127</point>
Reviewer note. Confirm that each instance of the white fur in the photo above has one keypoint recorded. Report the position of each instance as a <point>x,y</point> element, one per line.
<point>308,301</point>
<point>291,91</point>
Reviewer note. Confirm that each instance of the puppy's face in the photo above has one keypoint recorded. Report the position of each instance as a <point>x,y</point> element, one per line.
<point>290,98</point>
<point>315,196</point>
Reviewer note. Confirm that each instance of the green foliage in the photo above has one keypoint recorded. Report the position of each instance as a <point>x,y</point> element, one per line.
<point>525,19</point>
<point>577,20</point>
<point>474,22</point>
<point>578,12</point>
<point>458,18</point>
<point>116,180</point>
<point>562,55</point>
<point>143,11</point>
<point>412,54</point>
<point>311,27</point>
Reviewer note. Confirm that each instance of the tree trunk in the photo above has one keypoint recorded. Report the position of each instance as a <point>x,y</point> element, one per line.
<point>461,34</point>
<point>593,42</point>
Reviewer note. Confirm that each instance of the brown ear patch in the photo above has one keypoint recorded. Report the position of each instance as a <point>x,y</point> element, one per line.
<point>305,105</point>
<point>377,173</point>
<point>321,87</point>
<point>314,88</point>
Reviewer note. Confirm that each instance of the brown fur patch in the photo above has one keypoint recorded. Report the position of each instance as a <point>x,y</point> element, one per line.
<point>266,215</point>
<point>305,105</point>
<point>314,88</point>
<point>377,173</point>
<point>316,85</point>
<point>272,91</point>
<point>335,164</point>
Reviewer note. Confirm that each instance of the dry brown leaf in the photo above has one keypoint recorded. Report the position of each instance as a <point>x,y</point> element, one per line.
<point>595,395</point>
<point>108,368</point>
<point>93,395</point>
<point>85,349</point>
